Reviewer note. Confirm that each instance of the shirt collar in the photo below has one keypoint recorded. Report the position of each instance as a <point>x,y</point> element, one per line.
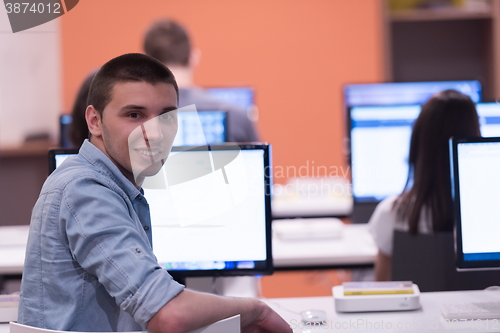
<point>103,164</point>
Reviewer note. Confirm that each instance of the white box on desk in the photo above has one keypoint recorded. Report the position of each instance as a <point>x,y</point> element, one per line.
<point>371,303</point>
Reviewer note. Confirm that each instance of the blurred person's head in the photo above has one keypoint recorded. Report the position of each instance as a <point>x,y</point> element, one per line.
<point>169,42</point>
<point>79,129</point>
<point>132,114</point>
<point>445,115</point>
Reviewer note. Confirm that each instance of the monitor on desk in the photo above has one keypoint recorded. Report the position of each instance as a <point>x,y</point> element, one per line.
<point>240,96</point>
<point>210,210</point>
<point>399,93</point>
<point>380,144</point>
<point>201,128</point>
<point>195,128</point>
<point>476,194</point>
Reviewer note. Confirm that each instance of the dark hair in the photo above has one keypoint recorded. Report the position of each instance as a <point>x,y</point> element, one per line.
<point>169,42</point>
<point>445,115</point>
<point>79,128</point>
<point>131,67</point>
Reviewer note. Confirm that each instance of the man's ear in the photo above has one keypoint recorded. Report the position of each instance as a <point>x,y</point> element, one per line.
<point>94,121</point>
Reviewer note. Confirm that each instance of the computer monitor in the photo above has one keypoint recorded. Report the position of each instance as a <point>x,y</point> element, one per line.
<point>65,121</point>
<point>57,156</point>
<point>195,128</point>
<point>476,193</point>
<point>201,128</point>
<point>240,96</point>
<point>399,93</point>
<point>380,143</point>
<point>210,210</point>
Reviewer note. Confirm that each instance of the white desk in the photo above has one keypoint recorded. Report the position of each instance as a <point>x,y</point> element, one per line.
<point>355,247</point>
<point>427,319</point>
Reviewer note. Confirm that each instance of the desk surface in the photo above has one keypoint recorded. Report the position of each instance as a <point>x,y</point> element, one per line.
<point>354,247</point>
<point>426,319</point>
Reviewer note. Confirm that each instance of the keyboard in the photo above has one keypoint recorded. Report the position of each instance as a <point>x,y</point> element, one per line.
<point>472,310</point>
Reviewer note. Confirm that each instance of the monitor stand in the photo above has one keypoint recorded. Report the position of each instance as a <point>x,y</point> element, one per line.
<point>362,211</point>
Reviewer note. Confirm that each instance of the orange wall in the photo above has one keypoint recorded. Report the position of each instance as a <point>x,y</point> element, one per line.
<point>296,54</point>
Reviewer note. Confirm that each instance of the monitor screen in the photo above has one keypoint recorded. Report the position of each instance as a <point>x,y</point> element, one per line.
<point>240,96</point>
<point>398,93</point>
<point>380,143</point>
<point>210,210</point>
<point>201,128</point>
<point>57,156</point>
<point>476,184</point>
<point>65,121</point>
<point>216,219</point>
<point>195,128</point>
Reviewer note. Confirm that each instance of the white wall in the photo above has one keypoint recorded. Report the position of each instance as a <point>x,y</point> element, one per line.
<point>30,81</point>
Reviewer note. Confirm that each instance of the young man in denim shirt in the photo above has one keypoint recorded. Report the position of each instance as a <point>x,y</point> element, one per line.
<point>89,262</point>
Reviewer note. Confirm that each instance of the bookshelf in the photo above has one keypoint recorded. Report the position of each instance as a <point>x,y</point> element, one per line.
<point>444,44</point>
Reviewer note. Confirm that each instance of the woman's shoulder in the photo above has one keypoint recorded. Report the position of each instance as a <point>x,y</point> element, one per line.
<point>387,205</point>
<point>385,212</point>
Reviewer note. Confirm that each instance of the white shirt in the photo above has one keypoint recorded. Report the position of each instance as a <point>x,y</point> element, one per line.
<point>384,221</point>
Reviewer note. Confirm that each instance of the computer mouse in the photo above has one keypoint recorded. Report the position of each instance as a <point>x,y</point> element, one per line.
<point>313,316</point>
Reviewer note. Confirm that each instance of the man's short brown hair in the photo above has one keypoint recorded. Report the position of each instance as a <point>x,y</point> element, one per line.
<point>131,67</point>
<point>169,42</point>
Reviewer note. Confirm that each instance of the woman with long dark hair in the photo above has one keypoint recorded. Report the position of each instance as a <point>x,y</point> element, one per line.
<point>425,206</point>
<point>79,129</point>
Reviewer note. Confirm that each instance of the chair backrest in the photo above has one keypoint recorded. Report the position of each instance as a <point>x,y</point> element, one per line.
<point>429,261</point>
<point>228,325</point>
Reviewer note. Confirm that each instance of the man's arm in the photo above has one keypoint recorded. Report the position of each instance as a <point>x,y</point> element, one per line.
<point>190,310</point>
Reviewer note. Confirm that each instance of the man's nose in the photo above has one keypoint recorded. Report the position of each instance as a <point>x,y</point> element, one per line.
<point>151,130</point>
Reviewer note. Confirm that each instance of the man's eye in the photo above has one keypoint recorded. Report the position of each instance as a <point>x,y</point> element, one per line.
<point>166,116</point>
<point>134,115</point>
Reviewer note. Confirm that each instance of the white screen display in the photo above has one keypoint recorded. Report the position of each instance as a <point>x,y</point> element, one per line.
<point>479,181</point>
<point>399,93</point>
<point>380,143</point>
<point>200,128</point>
<point>218,217</point>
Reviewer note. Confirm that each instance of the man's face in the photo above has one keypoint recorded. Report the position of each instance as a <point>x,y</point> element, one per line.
<point>138,127</point>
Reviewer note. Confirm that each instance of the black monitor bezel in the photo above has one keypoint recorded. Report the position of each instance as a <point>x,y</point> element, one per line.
<point>267,267</point>
<point>59,151</point>
<point>462,264</point>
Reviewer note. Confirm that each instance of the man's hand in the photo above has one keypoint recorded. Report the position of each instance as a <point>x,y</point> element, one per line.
<point>191,310</point>
<point>266,321</point>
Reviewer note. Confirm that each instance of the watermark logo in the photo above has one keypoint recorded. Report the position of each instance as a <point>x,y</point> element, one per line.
<point>197,182</point>
<point>24,14</point>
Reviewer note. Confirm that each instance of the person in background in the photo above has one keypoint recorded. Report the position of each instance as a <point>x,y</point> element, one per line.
<point>169,42</point>
<point>425,206</point>
<point>79,130</point>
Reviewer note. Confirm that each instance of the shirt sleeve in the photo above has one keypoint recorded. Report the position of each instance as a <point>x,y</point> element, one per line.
<point>106,239</point>
<point>382,224</point>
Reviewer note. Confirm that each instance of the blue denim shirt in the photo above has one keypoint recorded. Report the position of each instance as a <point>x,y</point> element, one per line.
<point>89,263</point>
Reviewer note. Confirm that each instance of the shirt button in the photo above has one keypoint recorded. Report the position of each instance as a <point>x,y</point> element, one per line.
<point>138,250</point>
<point>146,228</point>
